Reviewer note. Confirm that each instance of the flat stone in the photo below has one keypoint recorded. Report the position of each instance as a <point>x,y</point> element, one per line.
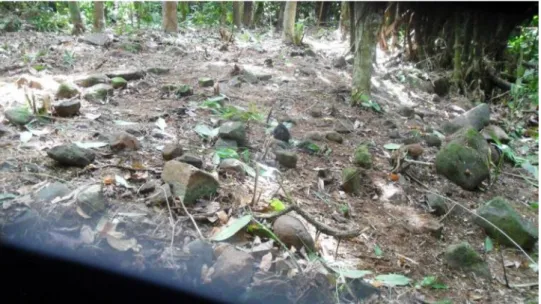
<point>232,165</point>
<point>233,130</point>
<point>128,75</point>
<point>477,118</point>
<point>191,159</point>
<point>91,200</point>
<point>52,191</point>
<point>286,158</point>
<point>188,182</point>
<point>98,93</point>
<point>67,108</point>
<point>225,143</point>
<point>71,155</point>
<point>491,131</point>
<point>171,151</point>
<point>98,39</point>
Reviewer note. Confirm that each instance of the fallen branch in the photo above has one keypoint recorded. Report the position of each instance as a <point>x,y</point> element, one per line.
<point>191,218</point>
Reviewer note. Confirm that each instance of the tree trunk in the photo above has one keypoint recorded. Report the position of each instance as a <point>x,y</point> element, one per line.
<point>289,21</point>
<point>99,16</point>
<point>259,9</point>
<point>170,21</point>
<point>457,58</point>
<point>139,11</point>
<point>223,13</point>
<point>248,13</point>
<point>237,13</point>
<point>75,13</point>
<point>352,27</point>
<point>344,20</point>
<point>367,19</point>
<point>280,18</point>
<point>184,10</point>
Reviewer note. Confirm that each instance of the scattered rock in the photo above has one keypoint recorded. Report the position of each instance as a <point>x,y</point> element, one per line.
<point>435,98</point>
<point>499,212</point>
<point>171,151</point>
<point>314,135</point>
<point>4,130</point>
<point>124,141</point>
<point>66,91</point>
<point>494,155</point>
<point>92,80</point>
<point>296,54</point>
<point>233,130</point>
<point>351,180</point>
<point>394,134</point>
<point>158,71</point>
<point>310,52</point>
<point>343,126</point>
<point>390,124</point>
<point>18,116</point>
<point>71,155</point>
<point>412,137</point>
<point>441,86</point>
<point>433,141</point>
<point>184,90</point>
<point>67,108</point>
<point>477,118</point>
<point>286,158</point>
<point>91,200</point>
<point>334,136</point>
<point>268,63</point>
<point>292,233</point>
<point>52,191</point>
<point>188,182</point>
<point>225,143</point>
<point>316,112</point>
<point>206,82</point>
<point>464,160</point>
<point>201,253</point>
<point>264,77</point>
<point>191,159</point>
<point>281,132</point>
<point>362,157</point>
<point>497,132</point>
<point>119,83</point>
<point>437,204</point>
<point>462,256</point>
<point>160,196</point>
<point>98,39</point>
<point>414,150</point>
<point>406,111</point>
<point>231,165</point>
<point>235,82</point>
<point>249,77</point>
<point>98,93</point>
<point>233,270</point>
<point>148,187</point>
<point>129,75</point>
<point>339,62</point>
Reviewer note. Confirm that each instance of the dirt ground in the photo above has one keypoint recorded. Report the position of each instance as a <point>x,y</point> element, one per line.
<point>298,85</point>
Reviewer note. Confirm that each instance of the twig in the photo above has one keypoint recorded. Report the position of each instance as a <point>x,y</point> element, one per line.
<point>46,175</point>
<point>446,214</point>
<point>411,161</point>
<point>127,168</point>
<point>406,258</point>
<point>255,184</point>
<point>416,180</point>
<point>525,285</point>
<point>504,270</point>
<point>191,218</point>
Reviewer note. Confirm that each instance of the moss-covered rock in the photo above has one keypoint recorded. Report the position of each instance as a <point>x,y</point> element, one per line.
<point>233,130</point>
<point>351,180</point>
<point>287,159</point>
<point>184,90</point>
<point>334,136</point>
<point>362,157</point>
<point>98,93</point>
<point>92,80</point>
<point>502,215</point>
<point>66,91</point>
<point>206,82</point>
<point>465,160</point>
<point>19,116</point>
<point>119,83</point>
<point>476,118</point>
<point>462,256</point>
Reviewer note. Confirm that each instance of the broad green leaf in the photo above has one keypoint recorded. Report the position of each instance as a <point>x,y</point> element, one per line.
<point>90,144</point>
<point>377,251</point>
<point>393,279</point>
<point>438,134</point>
<point>161,124</point>
<point>124,123</point>
<point>277,205</point>
<point>249,170</point>
<point>392,146</point>
<point>224,153</point>
<point>231,229</point>
<point>352,273</point>
<point>489,246</point>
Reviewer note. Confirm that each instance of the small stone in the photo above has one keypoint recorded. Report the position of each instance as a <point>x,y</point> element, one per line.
<point>477,118</point>
<point>441,86</point>
<point>394,134</point>
<point>231,165</point>
<point>314,135</point>
<point>184,90</point>
<point>437,204</point>
<point>281,132</point>
<point>268,63</point>
<point>412,137</point>
<point>225,143</point>
<point>91,200</point>
<point>66,91</point>
<point>188,182</point>
<point>148,187</point>
<point>436,98</point>
<point>264,77</point>
<point>98,93</point>
<point>98,39</point>
<point>92,80</point>
<point>158,71</point>
<point>52,191</point>
<point>191,159</point>
<point>233,270</point>
<point>276,144</point>
<point>171,151</point>
<point>334,136</point>
<point>363,157</point>
<point>67,108</point>
<point>71,155</point>
<point>233,130</point>
<point>4,130</point>
<point>18,116</point>
<point>406,111</point>
<point>462,256</point>
<point>350,59</point>
<point>433,141</point>
<point>491,131</point>
<point>160,196</point>
<point>296,54</point>
<point>414,150</point>
<point>128,75</point>
<point>124,141</point>
<point>390,124</point>
<point>119,83</point>
<point>316,112</point>
<point>206,82</point>
<point>200,253</point>
<point>249,77</point>
<point>339,62</point>
<point>344,126</point>
<point>310,52</point>
<point>351,180</point>
<point>292,233</point>
<point>494,155</point>
<point>286,158</point>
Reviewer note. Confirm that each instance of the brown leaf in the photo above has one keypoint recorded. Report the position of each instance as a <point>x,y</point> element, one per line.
<point>223,217</point>
<point>122,244</point>
<point>266,262</point>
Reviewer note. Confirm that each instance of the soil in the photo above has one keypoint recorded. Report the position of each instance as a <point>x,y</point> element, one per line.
<point>298,85</point>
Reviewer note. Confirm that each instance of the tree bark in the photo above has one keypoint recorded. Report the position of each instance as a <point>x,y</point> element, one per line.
<point>457,58</point>
<point>248,13</point>
<point>99,16</point>
<point>237,14</point>
<point>75,13</point>
<point>280,18</point>
<point>259,9</point>
<point>289,21</point>
<point>223,13</point>
<point>170,21</point>
<point>352,27</point>
<point>344,20</point>
<point>368,17</point>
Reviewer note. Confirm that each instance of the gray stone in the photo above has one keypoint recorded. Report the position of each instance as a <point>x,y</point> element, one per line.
<point>491,131</point>
<point>233,270</point>
<point>463,257</point>
<point>191,159</point>
<point>52,191</point>
<point>71,155</point>
<point>334,136</point>
<point>148,187</point>
<point>160,196</point>
<point>225,143</point>
<point>286,158</point>
<point>339,62</point>
<point>171,151</point>
<point>292,233</point>
<point>233,130</point>
<point>343,126</point>
<point>502,215</point>
<point>281,132</point>
<point>98,93</point>
<point>91,200</point>
<point>231,165</point>
<point>433,141</point>
<point>477,118</point>
<point>92,80</point>
<point>187,182</point>
<point>406,111</point>
<point>437,204</point>
<point>441,86</point>
<point>314,135</point>
<point>206,82</point>
<point>98,39</point>
<point>200,253</point>
<point>249,77</point>
<point>67,108</point>
<point>129,75</point>
<point>18,116</point>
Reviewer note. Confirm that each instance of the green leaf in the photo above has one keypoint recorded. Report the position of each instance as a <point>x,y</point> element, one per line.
<point>352,273</point>
<point>90,145</point>
<point>438,134</point>
<point>393,279</point>
<point>377,251</point>
<point>249,170</point>
<point>124,123</point>
<point>224,153</point>
<point>231,229</point>
<point>391,146</point>
<point>432,282</point>
<point>277,205</point>
<point>489,246</point>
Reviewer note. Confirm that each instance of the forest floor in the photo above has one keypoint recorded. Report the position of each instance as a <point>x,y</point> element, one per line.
<point>299,86</point>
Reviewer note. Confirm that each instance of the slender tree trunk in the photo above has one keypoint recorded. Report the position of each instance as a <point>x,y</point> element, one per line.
<point>280,18</point>
<point>99,16</point>
<point>368,17</point>
<point>248,13</point>
<point>75,13</point>
<point>289,21</point>
<point>138,6</point>
<point>344,20</point>
<point>259,9</point>
<point>169,12</point>
<point>223,13</point>
<point>237,13</point>
<point>457,58</point>
<point>352,27</point>
<point>184,10</point>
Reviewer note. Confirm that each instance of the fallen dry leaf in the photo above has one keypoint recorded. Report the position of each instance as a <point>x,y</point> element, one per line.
<point>266,262</point>
<point>223,217</point>
<point>87,235</point>
<point>82,213</point>
<point>122,244</point>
